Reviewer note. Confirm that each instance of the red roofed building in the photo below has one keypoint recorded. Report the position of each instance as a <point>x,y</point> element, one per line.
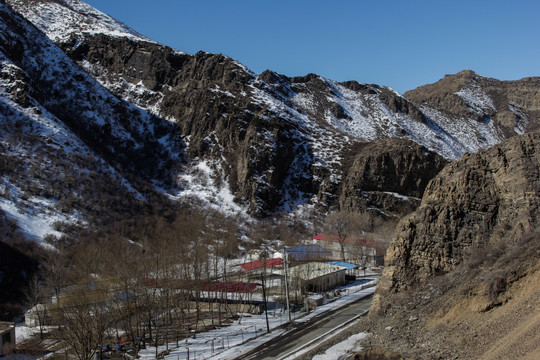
<point>228,287</point>
<point>357,251</point>
<point>260,264</point>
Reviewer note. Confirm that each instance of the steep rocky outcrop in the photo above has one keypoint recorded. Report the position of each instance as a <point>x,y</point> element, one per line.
<point>462,270</point>
<point>388,176</point>
<point>204,126</point>
<point>484,197</point>
<point>210,99</point>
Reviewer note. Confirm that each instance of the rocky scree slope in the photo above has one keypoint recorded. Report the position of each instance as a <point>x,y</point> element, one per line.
<point>487,308</point>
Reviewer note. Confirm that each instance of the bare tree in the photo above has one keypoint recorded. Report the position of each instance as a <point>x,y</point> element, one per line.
<point>84,319</point>
<point>36,299</point>
<point>341,224</point>
<point>56,272</point>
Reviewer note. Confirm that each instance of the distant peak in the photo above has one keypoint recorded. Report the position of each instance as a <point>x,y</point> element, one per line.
<point>467,73</point>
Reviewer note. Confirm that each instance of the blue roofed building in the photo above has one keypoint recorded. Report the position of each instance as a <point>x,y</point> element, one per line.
<point>308,252</point>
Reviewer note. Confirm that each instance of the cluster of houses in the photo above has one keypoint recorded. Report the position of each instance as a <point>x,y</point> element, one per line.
<point>316,267</point>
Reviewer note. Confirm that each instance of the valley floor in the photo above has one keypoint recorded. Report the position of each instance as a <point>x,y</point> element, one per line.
<point>246,333</point>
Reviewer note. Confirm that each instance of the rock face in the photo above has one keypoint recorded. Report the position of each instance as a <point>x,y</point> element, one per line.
<point>205,126</point>
<point>389,176</point>
<point>481,198</point>
<point>270,141</point>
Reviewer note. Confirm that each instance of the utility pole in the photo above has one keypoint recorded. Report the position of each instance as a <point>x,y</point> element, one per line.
<point>286,283</point>
<point>265,302</point>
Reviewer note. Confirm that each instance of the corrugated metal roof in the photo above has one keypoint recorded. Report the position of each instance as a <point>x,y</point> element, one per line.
<point>344,264</point>
<point>307,252</point>
<point>259,264</point>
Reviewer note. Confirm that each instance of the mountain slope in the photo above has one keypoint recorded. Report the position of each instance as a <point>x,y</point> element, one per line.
<point>65,138</point>
<point>204,128</point>
<point>514,106</point>
<point>461,273</point>
<point>365,112</point>
<point>484,197</point>
<point>221,110</point>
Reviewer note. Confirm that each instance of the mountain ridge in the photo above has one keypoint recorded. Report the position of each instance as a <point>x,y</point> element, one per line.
<point>232,139</point>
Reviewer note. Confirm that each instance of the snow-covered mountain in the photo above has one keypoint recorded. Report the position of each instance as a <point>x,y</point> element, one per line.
<point>95,100</point>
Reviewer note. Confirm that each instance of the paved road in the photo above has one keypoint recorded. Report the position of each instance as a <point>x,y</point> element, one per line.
<point>304,333</point>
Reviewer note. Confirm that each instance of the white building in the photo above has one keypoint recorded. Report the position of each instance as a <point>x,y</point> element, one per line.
<point>315,277</point>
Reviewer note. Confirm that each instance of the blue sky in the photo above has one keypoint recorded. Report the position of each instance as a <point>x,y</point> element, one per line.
<point>401,44</point>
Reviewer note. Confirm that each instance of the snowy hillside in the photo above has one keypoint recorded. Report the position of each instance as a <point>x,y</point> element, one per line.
<point>205,129</point>
<point>54,17</point>
<point>367,117</point>
<point>56,146</point>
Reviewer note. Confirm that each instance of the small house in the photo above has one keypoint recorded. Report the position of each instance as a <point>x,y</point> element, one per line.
<point>315,277</point>
<point>37,316</point>
<point>7,338</point>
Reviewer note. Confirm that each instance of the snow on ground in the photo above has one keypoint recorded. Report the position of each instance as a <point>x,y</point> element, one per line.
<point>34,227</point>
<point>249,331</point>
<point>199,182</point>
<point>476,99</point>
<point>35,216</point>
<point>401,197</point>
<point>349,346</point>
<point>523,122</point>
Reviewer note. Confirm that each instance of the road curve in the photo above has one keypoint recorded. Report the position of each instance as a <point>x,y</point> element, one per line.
<point>305,333</point>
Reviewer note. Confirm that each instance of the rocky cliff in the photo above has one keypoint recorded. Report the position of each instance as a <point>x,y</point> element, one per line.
<point>387,176</point>
<point>204,127</point>
<point>482,198</point>
<point>461,272</point>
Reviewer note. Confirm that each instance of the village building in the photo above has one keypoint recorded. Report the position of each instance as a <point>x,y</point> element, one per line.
<point>261,265</point>
<point>252,271</point>
<point>350,269</point>
<point>7,338</point>
<point>359,251</point>
<point>315,277</point>
<point>308,252</point>
<point>37,316</point>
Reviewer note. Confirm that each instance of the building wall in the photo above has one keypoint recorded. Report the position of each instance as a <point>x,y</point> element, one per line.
<point>7,338</point>
<point>304,279</point>
<point>352,252</point>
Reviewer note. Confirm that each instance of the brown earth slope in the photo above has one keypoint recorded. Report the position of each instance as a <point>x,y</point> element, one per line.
<point>488,308</point>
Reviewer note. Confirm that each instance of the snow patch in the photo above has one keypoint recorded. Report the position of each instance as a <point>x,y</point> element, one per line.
<point>204,182</point>
<point>344,348</point>
<point>475,97</point>
<point>60,20</point>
